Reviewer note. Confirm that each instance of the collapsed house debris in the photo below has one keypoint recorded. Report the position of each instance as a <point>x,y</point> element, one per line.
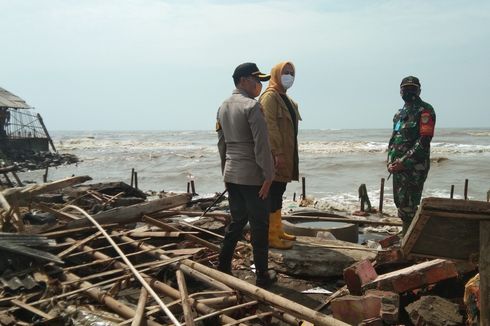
<point>105,253</point>
<point>24,139</point>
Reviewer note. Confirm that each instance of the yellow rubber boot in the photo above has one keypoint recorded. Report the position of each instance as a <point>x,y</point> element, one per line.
<point>275,232</point>
<point>284,235</point>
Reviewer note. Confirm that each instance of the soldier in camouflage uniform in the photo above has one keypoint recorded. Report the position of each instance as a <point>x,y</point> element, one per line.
<point>409,149</point>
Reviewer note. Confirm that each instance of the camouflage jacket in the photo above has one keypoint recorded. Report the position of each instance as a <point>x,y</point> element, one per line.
<point>413,129</point>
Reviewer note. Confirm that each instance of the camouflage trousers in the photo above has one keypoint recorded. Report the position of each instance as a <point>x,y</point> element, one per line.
<point>407,192</point>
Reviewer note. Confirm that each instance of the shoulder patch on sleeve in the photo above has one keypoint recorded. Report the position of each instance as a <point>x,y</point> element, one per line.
<point>218,126</point>
<point>426,124</point>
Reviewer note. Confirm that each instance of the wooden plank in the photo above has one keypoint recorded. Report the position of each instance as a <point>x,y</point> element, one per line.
<point>23,195</point>
<point>456,205</point>
<point>459,215</point>
<point>484,268</point>
<point>159,234</point>
<point>446,228</point>
<point>133,213</point>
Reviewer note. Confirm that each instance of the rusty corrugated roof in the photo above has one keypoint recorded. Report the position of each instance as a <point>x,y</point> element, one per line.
<point>9,100</point>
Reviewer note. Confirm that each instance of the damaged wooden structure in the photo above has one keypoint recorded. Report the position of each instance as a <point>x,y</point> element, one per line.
<point>132,261</point>
<point>454,229</point>
<point>20,127</point>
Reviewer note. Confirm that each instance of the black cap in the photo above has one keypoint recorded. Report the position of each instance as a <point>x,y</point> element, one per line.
<point>249,69</point>
<point>410,81</point>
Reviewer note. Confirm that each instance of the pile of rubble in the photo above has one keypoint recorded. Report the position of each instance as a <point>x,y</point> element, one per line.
<point>104,254</point>
<point>26,160</point>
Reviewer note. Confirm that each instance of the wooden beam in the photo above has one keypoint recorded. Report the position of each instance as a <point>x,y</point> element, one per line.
<point>21,196</point>
<point>133,213</point>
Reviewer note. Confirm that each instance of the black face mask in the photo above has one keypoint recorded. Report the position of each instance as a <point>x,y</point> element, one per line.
<point>409,96</point>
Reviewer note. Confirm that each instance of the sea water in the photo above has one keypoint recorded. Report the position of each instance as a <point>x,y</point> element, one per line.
<point>333,162</point>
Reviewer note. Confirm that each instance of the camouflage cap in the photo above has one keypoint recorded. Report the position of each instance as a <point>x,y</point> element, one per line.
<point>410,81</point>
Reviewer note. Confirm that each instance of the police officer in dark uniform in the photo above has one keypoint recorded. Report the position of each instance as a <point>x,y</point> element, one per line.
<point>409,149</point>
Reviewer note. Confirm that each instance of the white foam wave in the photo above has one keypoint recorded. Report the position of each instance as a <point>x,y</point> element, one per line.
<point>442,148</point>
<point>324,147</point>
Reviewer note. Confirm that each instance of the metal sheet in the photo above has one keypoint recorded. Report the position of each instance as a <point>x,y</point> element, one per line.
<point>9,100</point>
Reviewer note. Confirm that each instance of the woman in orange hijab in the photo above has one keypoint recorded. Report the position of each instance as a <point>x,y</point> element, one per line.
<point>282,117</point>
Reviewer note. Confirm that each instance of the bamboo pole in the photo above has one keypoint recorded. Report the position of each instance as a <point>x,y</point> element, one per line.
<point>191,237</point>
<point>96,294</point>
<point>78,244</point>
<point>202,308</point>
<point>226,310</point>
<point>140,308</point>
<point>30,308</point>
<point>188,264</point>
<point>160,286</point>
<point>257,316</point>
<point>302,312</point>
<point>130,265</point>
<point>186,307</point>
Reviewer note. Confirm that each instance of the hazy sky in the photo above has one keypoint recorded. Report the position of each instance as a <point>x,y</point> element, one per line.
<point>160,65</point>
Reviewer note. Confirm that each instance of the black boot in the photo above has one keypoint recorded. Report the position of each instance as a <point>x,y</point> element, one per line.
<point>266,279</point>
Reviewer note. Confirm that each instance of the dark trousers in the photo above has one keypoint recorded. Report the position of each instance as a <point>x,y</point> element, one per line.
<point>275,193</point>
<point>246,206</point>
<point>407,192</point>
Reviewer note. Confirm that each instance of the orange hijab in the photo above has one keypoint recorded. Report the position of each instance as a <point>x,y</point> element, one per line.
<point>275,81</point>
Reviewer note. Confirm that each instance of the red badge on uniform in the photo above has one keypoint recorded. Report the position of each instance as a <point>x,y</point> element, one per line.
<point>426,124</point>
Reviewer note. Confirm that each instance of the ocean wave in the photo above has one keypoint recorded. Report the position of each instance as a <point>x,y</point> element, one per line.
<point>323,147</point>
<point>208,146</point>
<point>479,133</point>
<point>458,148</point>
<point>336,147</point>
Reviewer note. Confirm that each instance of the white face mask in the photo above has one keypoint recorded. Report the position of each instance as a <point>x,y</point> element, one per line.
<point>287,81</point>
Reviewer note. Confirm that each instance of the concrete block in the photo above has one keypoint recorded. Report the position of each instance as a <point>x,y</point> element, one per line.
<point>414,277</point>
<point>359,274</point>
<point>433,310</point>
<point>355,309</point>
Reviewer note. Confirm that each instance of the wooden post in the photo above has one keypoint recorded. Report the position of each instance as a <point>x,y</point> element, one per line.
<point>294,196</point>
<point>488,196</point>
<point>381,195</point>
<point>132,177</point>
<point>484,268</point>
<point>136,180</point>
<point>452,192</point>
<point>303,187</point>
<point>188,187</point>
<point>466,189</point>
<point>46,131</point>
<point>8,180</point>
<point>193,188</point>
<point>45,175</point>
